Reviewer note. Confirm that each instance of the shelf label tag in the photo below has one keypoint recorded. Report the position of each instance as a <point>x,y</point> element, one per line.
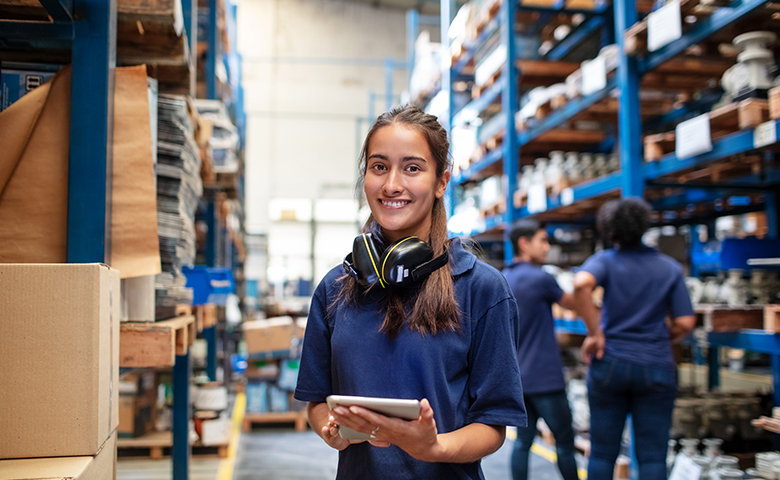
<point>685,469</point>
<point>765,134</point>
<point>692,137</point>
<point>594,75</point>
<point>567,196</point>
<point>537,198</point>
<point>664,26</point>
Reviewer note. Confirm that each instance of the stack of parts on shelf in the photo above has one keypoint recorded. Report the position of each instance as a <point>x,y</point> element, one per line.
<point>212,422</point>
<point>179,188</point>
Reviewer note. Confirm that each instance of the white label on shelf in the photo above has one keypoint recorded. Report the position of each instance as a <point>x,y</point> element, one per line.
<point>537,198</point>
<point>685,469</point>
<point>765,134</point>
<point>567,196</point>
<point>693,137</point>
<point>594,75</point>
<point>664,26</point>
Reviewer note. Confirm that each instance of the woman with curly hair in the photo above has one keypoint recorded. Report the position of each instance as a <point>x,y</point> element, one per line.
<point>632,370</point>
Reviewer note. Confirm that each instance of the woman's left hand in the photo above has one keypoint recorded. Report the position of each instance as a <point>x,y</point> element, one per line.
<point>419,437</point>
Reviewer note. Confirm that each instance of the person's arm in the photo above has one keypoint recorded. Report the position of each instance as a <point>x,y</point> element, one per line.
<point>567,301</point>
<point>584,283</point>
<point>682,327</point>
<point>420,438</point>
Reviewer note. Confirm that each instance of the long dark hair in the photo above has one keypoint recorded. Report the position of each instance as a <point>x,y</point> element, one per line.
<point>431,308</point>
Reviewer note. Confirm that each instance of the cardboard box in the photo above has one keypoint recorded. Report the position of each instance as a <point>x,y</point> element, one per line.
<point>269,336</point>
<point>99,467</point>
<point>138,300</point>
<point>268,369</point>
<point>59,351</point>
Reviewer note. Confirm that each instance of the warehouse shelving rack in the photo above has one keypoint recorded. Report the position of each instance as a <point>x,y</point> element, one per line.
<point>636,178</point>
<point>86,30</point>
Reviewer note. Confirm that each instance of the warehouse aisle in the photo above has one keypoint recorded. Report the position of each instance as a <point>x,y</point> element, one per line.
<point>144,469</point>
<point>283,454</point>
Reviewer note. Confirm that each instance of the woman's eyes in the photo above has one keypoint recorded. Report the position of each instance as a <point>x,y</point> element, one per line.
<point>408,168</point>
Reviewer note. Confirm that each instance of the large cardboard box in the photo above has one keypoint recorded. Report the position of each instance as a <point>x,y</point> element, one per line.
<point>99,467</point>
<point>59,352</point>
<point>269,336</point>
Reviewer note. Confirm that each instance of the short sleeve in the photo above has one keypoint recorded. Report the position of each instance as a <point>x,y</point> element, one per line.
<point>552,291</point>
<point>679,301</point>
<point>496,393</point>
<point>314,377</point>
<point>596,265</point>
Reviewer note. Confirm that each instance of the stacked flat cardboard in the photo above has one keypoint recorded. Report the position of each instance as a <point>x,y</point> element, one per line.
<point>101,466</point>
<point>179,189</point>
<point>59,351</point>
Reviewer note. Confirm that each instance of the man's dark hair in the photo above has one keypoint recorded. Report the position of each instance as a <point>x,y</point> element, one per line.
<point>623,222</point>
<point>525,227</point>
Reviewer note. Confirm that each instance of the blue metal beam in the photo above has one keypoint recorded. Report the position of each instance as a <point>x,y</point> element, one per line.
<point>733,144</point>
<point>721,18</point>
<point>91,132</point>
<point>480,104</point>
<point>559,116</point>
<point>211,53</point>
<point>629,113</point>
<point>388,84</point>
<point>210,335</point>
<point>509,104</point>
<point>33,35</point>
<point>559,7</point>
<point>446,14</point>
<point>181,450</point>
<point>570,326</point>
<point>412,27</point>
<point>747,339</point>
<point>575,38</point>
<point>59,10</point>
<point>483,163</point>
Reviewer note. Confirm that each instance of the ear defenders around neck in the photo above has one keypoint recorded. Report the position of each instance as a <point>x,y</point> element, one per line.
<point>405,263</point>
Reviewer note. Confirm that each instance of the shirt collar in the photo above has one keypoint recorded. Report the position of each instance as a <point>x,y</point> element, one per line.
<point>461,258</point>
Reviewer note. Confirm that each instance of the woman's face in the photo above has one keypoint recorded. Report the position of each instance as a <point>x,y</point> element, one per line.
<point>401,182</point>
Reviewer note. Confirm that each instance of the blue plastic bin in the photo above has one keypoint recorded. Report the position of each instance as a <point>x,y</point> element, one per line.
<point>209,284</point>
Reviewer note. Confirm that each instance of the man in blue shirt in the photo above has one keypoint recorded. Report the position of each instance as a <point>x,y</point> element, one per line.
<point>541,366</point>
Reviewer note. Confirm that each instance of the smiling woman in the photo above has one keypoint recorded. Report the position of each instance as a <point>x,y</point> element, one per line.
<point>437,340</point>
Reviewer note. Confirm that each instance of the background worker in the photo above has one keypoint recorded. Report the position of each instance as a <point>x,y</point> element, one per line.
<point>629,344</point>
<point>539,357</point>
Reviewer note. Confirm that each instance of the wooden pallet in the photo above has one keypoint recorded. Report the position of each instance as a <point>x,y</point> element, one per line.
<point>774,103</point>
<point>300,419</point>
<point>772,318</point>
<point>157,445</point>
<point>636,36</point>
<point>205,316</point>
<point>155,344</point>
<point>478,90</point>
<point>724,120</point>
<point>722,318</point>
<point>492,210</point>
<point>486,14</point>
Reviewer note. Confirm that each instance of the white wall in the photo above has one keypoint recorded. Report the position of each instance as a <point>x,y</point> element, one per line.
<point>309,67</point>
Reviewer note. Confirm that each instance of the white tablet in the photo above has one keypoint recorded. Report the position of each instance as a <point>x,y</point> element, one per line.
<point>392,407</point>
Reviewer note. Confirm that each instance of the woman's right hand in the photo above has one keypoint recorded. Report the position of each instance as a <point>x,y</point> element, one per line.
<point>593,346</point>
<point>330,433</point>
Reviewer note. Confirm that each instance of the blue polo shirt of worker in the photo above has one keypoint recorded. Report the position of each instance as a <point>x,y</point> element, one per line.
<point>470,376</point>
<point>538,354</point>
<point>641,287</point>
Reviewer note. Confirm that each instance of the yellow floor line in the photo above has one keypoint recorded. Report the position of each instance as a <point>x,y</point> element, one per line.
<point>552,457</point>
<point>226,465</point>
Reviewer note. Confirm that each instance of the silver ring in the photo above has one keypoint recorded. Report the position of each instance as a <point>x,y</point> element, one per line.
<point>373,432</point>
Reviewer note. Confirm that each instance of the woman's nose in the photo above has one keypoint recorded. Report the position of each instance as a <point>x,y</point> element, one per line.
<point>393,182</point>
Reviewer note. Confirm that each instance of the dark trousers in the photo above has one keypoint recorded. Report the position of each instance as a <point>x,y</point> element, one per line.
<point>617,388</point>
<point>553,408</point>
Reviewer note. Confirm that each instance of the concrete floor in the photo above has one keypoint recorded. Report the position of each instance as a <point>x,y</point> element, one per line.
<point>282,454</point>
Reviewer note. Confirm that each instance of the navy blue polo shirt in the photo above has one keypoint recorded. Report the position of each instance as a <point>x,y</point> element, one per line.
<point>469,376</point>
<point>641,287</point>
<point>539,357</point>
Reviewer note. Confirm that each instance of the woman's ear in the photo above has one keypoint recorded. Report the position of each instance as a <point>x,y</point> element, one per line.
<point>442,183</point>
